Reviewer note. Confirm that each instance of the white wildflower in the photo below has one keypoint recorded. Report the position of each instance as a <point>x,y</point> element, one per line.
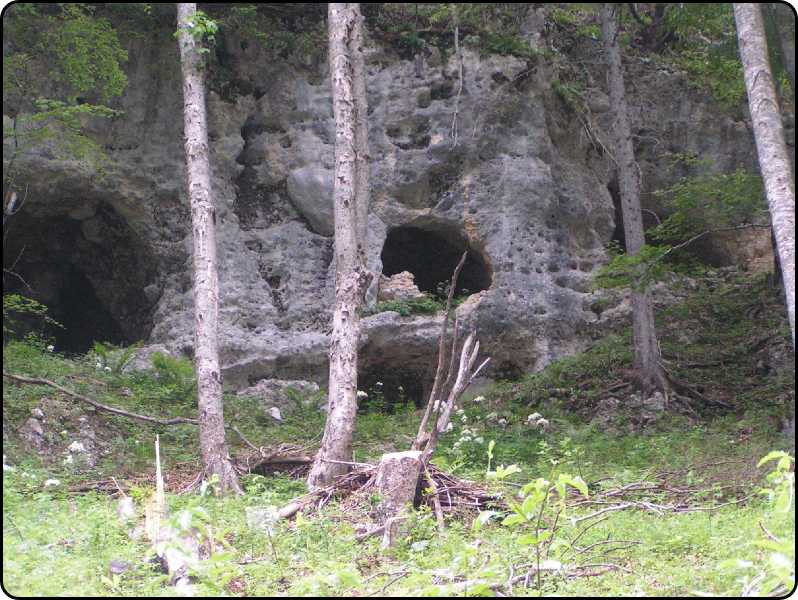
<point>107,369</point>
<point>50,348</point>
<point>449,426</point>
<point>478,399</point>
<point>464,419</point>
<point>76,446</point>
<point>479,440</point>
<point>543,423</point>
<point>69,460</point>
<point>51,482</point>
<point>378,384</point>
<point>459,411</point>
<point>98,364</point>
<point>502,422</point>
<point>362,394</point>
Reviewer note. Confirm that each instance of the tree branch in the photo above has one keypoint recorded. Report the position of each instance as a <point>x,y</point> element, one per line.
<point>98,405</point>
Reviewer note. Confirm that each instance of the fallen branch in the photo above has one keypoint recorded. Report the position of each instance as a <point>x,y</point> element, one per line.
<point>436,503</point>
<point>265,458</point>
<point>98,405</point>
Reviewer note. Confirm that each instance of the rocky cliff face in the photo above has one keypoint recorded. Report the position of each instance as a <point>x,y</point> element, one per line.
<point>523,189</point>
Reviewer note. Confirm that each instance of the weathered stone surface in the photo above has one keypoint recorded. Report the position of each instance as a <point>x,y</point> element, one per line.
<point>310,190</point>
<point>523,188</point>
<point>398,287</point>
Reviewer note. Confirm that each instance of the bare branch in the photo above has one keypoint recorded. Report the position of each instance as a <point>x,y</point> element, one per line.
<point>436,386</point>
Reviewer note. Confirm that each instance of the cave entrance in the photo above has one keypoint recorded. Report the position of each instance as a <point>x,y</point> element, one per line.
<point>91,273</point>
<point>390,388</point>
<point>431,253</point>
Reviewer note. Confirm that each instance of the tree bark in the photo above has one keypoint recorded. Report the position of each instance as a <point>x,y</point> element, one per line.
<point>215,456</point>
<point>647,355</point>
<point>350,193</point>
<point>774,161</point>
<point>396,482</point>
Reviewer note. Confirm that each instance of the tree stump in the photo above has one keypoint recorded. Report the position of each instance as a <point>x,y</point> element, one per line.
<point>396,482</point>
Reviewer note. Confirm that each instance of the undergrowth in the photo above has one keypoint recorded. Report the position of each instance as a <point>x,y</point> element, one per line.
<point>57,541</point>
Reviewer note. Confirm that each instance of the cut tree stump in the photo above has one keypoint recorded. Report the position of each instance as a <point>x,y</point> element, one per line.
<point>396,482</point>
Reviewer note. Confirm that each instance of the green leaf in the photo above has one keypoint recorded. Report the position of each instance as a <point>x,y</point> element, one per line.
<point>514,519</point>
<point>529,505</point>
<point>482,518</point>
<point>576,482</point>
<point>774,455</point>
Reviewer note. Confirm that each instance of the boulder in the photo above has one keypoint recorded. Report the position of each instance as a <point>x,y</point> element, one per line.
<point>401,286</point>
<point>310,190</point>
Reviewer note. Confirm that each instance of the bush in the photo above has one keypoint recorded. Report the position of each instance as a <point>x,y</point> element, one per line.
<point>177,378</point>
<point>426,305</point>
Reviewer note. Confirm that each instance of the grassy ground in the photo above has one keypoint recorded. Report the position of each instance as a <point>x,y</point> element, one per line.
<point>56,542</point>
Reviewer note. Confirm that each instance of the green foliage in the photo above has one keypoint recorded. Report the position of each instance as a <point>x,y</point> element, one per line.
<point>305,404</point>
<point>87,53</point>
<point>22,315</point>
<point>698,204</point>
<point>55,63</point>
<point>114,357</point>
<point>533,501</point>
<point>493,28</point>
<point>707,49</point>
<point>305,40</point>
<point>638,271</point>
<point>177,378</point>
<point>708,201</point>
<point>775,575</point>
<point>781,478</point>
<point>498,43</point>
<point>203,29</point>
<point>570,93</point>
<point>427,305</point>
<point>561,376</point>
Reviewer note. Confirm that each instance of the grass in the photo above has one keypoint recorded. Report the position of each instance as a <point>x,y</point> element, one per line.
<point>61,543</point>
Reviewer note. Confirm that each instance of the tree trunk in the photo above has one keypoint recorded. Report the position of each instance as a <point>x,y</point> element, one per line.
<point>215,456</point>
<point>396,482</point>
<point>350,192</point>
<point>647,355</point>
<point>770,146</point>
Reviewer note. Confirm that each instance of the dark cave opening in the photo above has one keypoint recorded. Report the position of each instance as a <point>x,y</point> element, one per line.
<point>90,272</point>
<point>431,253</point>
<point>84,317</point>
<point>391,388</point>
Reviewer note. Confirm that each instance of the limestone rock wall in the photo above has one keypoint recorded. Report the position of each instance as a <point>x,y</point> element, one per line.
<point>522,188</point>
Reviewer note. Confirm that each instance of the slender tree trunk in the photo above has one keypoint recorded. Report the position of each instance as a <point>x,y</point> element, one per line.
<point>647,355</point>
<point>774,161</point>
<point>350,192</point>
<point>362,187</point>
<point>215,456</point>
